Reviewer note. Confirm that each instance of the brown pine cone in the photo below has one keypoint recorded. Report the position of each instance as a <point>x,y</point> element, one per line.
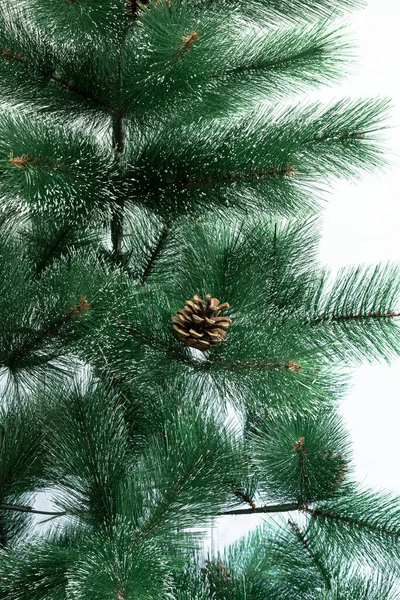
<point>199,325</point>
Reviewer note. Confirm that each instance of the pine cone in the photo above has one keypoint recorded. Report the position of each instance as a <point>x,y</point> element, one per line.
<point>199,325</point>
<point>220,579</point>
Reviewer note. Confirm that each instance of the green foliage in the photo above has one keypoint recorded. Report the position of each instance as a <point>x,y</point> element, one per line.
<point>52,169</point>
<point>363,524</point>
<point>45,243</point>
<point>44,319</point>
<point>140,349</point>
<point>288,329</point>
<point>185,474</point>
<point>170,58</point>
<point>272,562</point>
<point>21,463</point>
<point>88,452</point>
<point>21,447</point>
<point>113,566</point>
<point>60,54</point>
<point>300,459</point>
<point>37,571</point>
<point>264,158</point>
<point>100,18</point>
<point>22,83</point>
<point>359,588</point>
<point>190,584</point>
<point>140,150</point>
<point>358,303</point>
<point>296,10</point>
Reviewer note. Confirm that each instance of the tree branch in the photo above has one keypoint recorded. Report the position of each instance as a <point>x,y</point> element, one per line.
<point>101,497</point>
<point>351,522</point>
<point>249,363</point>
<point>258,365</point>
<point>3,535</point>
<point>59,79</point>
<point>49,331</point>
<point>165,504</point>
<point>273,508</point>
<point>117,229</point>
<point>132,8</point>
<point>242,495</point>
<point>46,259</point>
<point>154,255</point>
<point>315,559</point>
<point>271,172</point>
<point>72,87</point>
<point>29,509</point>
<point>117,219</point>
<point>302,454</point>
<point>353,317</point>
<point>279,63</point>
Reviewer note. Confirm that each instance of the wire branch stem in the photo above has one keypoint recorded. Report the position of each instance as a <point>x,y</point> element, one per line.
<point>49,331</point>
<point>59,79</point>
<point>349,521</point>
<point>3,534</point>
<point>259,365</point>
<point>118,135</point>
<point>242,495</point>
<point>360,316</point>
<point>249,363</point>
<point>314,557</point>
<point>154,255</point>
<point>273,508</point>
<point>302,454</point>
<point>30,509</point>
<point>272,172</point>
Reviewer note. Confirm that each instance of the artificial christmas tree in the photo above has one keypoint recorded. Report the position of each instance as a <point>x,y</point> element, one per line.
<point>158,256</point>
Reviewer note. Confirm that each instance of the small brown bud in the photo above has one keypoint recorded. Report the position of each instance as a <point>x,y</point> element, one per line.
<point>299,445</point>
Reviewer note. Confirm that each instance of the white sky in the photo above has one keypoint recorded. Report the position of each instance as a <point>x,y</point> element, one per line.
<point>362,225</point>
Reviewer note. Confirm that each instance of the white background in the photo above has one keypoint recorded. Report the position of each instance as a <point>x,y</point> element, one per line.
<point>361,224</point>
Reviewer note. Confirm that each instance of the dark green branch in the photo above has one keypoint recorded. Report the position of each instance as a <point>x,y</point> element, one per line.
<point>350,522</point>
<point>117,220</point>
<point>249,363</point>
<point>273,287</point>
<point>40,337</point>
<point>159,343</point>
<point>72,87</point>
<point>91,455</point>
<point>59,79</point>
<point>268,173</point>
<point>258,365</point>
<point>242,495</point>
<point>29,509</point>
<point>42,264</point>
<point>279,63</point>
<point>117,229</point>
<point>302,453</point>
<point>154,255</point>
<point>164,506</point>
<point>273,508</point>
<point>3,534</point>
<point>315,559</point>
<point>353,317</point>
